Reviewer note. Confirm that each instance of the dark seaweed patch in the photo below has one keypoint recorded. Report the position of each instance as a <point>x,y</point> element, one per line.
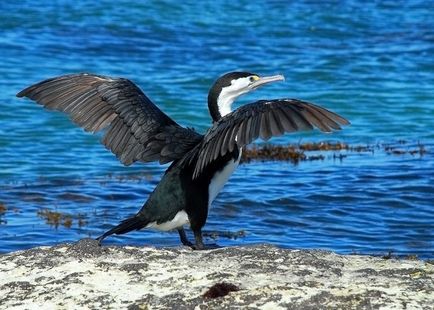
<point>220,289</point>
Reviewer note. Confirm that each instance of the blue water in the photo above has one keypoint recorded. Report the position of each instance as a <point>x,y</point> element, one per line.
<point>371,62</point>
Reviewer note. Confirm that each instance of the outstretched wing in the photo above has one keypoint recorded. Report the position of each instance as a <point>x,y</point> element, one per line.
<point>135,129</point>
<point>264,119</point>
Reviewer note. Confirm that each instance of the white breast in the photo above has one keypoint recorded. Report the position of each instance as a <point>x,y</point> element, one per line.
<point>180,219</point>
<point>220,178</point>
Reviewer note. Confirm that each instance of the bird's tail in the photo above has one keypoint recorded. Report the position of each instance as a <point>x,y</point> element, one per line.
<point>132,223</point>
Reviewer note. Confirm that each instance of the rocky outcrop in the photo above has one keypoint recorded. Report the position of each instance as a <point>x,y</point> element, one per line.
<point>84,275</point>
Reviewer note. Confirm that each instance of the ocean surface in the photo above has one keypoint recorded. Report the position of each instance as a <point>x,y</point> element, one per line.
<point>372,62</point>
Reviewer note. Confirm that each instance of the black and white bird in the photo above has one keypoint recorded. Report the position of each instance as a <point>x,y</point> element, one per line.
<point>137,130</point>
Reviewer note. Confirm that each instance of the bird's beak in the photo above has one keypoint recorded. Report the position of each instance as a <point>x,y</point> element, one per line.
<point>265,80</point>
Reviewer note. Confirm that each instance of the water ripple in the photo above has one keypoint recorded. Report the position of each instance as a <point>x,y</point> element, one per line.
<point>371,62</point>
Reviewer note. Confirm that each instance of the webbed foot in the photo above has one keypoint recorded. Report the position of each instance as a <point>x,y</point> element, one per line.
<point>100,239</point>
<point>199,245</point>
<point>183,237</point>
<point>205,247</point>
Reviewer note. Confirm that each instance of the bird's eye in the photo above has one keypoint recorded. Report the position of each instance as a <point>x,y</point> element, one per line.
<point>253,78</point>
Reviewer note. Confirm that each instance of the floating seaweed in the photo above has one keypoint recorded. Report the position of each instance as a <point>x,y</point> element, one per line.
<point>3,210</point>
<point>394,150</point>
<point>324,146</point>
<point>296,153</point>
<point>54,218</point>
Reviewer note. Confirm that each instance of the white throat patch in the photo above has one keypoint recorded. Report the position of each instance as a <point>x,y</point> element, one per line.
<point>230,93</point>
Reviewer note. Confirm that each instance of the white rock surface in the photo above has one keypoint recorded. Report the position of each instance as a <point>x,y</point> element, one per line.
<point>86,276</point>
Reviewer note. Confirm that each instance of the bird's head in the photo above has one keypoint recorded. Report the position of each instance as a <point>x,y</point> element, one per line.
<point>230,86</point>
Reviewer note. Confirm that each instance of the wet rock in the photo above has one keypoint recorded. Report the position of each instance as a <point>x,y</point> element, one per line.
<point>262,276</point>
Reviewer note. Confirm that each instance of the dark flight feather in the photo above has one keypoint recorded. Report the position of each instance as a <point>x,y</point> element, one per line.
<point>264,119</point>
<point>132,123</point>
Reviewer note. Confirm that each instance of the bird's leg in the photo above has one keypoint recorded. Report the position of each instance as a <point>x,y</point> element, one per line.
<point>100,239</point>
<point>183,237</point>
<point>199,242</point>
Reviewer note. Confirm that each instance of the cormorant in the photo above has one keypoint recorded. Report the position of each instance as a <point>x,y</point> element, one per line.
<point>137,130</point>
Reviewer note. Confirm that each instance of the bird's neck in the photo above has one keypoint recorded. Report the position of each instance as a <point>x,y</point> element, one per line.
<point>220,106</point>
<point>224,103</point>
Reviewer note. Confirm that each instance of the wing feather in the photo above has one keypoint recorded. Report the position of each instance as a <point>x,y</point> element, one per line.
<point>124,134</point>
<point>301,122</point>
<point>232,138</point>
<point>316,121</point>
<point>264,131</point>
<point>220,140</point>
<point>243,135</point>
<point>324,117</point>
<point>91,117</point>
<point>275,126</point>
<point>291,126</point>
<point>227,136</point>
<point>262,119</point>
<point>286,123</point>
<point>255,129</point>
<point>130,120</point>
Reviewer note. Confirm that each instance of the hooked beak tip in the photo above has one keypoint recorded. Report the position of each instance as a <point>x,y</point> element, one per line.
<point>267,79</point>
